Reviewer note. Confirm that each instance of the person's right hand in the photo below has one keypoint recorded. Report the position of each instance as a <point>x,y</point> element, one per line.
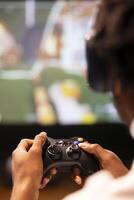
<point>108,161</point>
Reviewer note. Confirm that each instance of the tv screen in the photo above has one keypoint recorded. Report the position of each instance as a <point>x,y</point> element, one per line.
<point>43,64</point>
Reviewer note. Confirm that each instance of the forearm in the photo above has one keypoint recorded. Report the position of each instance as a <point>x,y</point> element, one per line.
<point>24,191</point>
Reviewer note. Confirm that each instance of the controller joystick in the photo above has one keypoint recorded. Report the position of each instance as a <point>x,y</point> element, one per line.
<point>54,152</point>
<point>74,151</point>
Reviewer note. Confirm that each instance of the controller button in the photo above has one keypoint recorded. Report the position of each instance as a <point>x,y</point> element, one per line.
<point>54,152</point>
<point>80,139</point>
<point>76,142</point>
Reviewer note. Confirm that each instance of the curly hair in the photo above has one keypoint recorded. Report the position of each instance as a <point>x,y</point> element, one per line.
<point>114,38</point>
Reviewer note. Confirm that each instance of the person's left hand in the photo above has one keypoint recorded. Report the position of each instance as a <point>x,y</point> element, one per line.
<point>27,165</point>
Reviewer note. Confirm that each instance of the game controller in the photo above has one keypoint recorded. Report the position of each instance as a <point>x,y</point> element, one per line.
<point>65,154</point>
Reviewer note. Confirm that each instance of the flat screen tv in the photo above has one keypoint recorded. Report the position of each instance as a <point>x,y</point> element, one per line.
<point>43,64</point>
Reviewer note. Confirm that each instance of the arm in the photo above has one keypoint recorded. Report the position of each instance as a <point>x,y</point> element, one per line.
<point>27,168</point>
<point>25,190</point>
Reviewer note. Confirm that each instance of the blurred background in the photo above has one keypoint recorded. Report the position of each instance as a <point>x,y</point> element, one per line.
<point>43,65</point>
<point>43,83</point>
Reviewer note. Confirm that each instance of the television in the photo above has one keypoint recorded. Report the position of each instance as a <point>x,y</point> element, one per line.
<point>43,64</point>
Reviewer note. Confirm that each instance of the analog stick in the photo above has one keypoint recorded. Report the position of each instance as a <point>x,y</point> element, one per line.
<point>54,152</point>
<point>74,151</point>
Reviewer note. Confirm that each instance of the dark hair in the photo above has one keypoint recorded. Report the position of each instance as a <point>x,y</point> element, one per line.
<point>114,38</point>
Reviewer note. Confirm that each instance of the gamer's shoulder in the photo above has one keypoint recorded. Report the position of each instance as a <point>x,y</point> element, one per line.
<point>103,185</point>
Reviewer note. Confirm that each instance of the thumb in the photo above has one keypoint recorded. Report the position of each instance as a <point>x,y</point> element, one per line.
<point>95,149</point>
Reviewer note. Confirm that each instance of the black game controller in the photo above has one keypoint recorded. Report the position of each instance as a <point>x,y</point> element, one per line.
<point>64,154</point>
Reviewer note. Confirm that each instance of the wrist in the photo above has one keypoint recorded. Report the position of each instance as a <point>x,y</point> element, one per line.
<point>24,189</point>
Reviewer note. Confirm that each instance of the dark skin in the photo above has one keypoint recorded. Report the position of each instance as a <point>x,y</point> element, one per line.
<point>123,99</point>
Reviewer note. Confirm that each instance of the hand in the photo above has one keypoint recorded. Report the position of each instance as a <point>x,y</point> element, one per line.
<point>27,167</point>
<point>108,160</point>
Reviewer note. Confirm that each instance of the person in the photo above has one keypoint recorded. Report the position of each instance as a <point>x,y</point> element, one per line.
<point>115,40</point>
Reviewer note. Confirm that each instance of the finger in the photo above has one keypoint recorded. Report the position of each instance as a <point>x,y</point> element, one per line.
<point>78,180</point>
<point>76,176</point>
<point>39,140</point>
<point>48,178</point>
<point>44,182</point>
<point>25,144</point>
<point>95,149</point>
